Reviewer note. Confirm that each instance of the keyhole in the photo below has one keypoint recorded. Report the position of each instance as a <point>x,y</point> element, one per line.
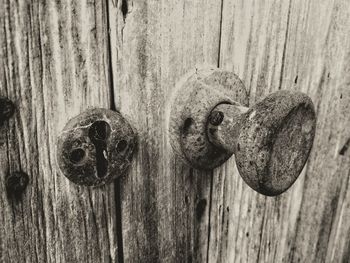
<point>99,133</point>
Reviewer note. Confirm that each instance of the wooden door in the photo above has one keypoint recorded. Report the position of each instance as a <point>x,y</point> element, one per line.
<point>60,57</point>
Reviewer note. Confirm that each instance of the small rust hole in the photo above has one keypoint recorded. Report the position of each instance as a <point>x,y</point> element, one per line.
<point>15,184</point>
<point>200,209</point>
<point>187,125</point>
<point>77,155</point>
<point>121,146</point>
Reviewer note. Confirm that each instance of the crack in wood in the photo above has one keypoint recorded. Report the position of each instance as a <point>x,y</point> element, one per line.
<point>285,46</point>
<point>124,8</point>
<point>345,147</point>
<point>220,32</point>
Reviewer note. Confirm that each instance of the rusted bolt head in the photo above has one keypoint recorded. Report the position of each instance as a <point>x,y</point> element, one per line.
<point>95,147</point>
<point>216,117</point>
<point>16,183</point>
<point>275,140</point>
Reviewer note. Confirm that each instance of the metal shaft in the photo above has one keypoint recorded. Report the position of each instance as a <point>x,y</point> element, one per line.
<point>224,125</point>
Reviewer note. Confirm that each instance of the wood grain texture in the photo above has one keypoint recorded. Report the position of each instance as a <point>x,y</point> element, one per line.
<point>54,64</point>
<point>165,204</point>
<point>271,45</point>
<point>302,46</point>
<point>60,57</point>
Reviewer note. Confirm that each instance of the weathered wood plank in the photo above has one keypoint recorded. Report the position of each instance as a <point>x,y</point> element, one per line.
<point>246,226</point>
<point>289,45</point>
<point>54,64</point>
<point>165,204</point>
<point>270,45</point>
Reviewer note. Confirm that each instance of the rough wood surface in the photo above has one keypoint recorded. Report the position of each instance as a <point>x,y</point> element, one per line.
<point>301,45</point>
<point>271,45</point>
<point>165,204</point>
<point>54,64</point>
<point>57,59</point>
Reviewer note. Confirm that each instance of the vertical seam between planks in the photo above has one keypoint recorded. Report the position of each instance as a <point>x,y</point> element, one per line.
<point>212,173</point>
<point>220,32</point>
<point>118,209</point>
<point>285,46</point>
<point>119,228</point>
<point>261,230</point>
<point>209,212</point>
<point>110,64</point>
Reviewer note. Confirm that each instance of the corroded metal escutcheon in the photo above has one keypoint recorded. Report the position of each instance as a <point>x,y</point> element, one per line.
<point>95,147</point>
<point>195,97</point>
<point>209,121</point>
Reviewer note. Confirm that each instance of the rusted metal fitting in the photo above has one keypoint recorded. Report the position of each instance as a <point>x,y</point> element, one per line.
<point>16,183</point>
<point>271,140</point>
<point>95,147</point>
<point>195,97</point>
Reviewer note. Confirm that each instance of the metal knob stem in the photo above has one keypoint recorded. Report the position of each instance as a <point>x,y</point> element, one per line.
<point>224,134</point>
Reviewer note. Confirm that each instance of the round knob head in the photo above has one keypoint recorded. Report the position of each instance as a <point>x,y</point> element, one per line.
<point>275,140</point>
<point>95,147</point>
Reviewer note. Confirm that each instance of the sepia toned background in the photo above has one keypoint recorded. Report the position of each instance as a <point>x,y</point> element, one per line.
<point>60,57</point>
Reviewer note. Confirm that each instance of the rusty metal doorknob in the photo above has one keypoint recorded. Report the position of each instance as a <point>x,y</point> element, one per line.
<point>95,147</point>
<point>209,121</point>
